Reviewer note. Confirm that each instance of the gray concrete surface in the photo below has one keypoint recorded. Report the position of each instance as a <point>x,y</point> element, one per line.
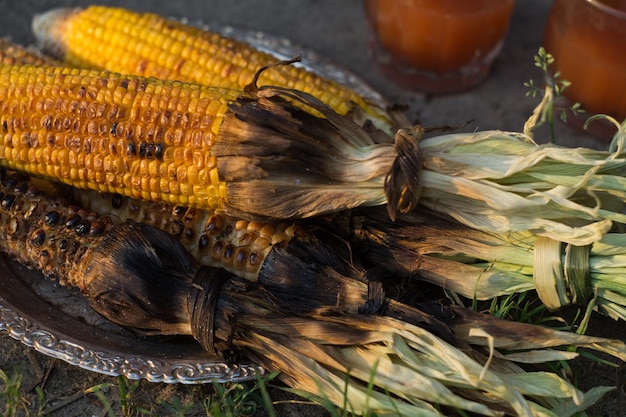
<point>338,30</point>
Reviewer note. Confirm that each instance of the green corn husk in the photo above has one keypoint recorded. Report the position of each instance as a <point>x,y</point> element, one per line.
<point>503,182</point>
<point>493,181</point>
<point>481,265</point>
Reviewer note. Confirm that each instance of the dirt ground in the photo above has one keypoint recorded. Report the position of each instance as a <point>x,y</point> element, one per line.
<point>338,31</point>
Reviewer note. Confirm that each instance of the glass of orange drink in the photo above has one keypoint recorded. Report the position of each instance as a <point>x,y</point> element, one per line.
<point>437,46</point>
<point>587,39</point>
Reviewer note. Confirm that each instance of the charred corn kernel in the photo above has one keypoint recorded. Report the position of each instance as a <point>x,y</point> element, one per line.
<point>116,133</point>
<point>211,237</point>
<point>46,233</point>
<point>147,44</point>
<point>14,54</point>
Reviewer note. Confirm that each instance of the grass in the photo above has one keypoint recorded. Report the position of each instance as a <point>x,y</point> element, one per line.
<point>557,85</point>
<point>126,398</point>
<point>12,403</point>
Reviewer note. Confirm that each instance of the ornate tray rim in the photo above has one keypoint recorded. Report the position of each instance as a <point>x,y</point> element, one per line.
<point>178,361</point>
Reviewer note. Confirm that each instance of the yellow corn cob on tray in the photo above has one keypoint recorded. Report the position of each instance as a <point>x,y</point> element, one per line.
<point>147,44</point>
<point>251,153</point>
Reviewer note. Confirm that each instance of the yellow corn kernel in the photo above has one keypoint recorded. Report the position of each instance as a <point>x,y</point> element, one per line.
<point>94,136</point>
<point>150,45</point>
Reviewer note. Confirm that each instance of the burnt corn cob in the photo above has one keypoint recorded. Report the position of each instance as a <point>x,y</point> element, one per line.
<point>252,153</point>
<point>147,44</point>
<point>46,233</point>
<point>60,240</point>
<point>291,257</point>
<point>211,237</point>
<point>71,244</point>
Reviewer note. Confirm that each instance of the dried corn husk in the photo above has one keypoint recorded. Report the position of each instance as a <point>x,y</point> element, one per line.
<point>493,181</point>
<point>504,182</point>
<point>377,363</point>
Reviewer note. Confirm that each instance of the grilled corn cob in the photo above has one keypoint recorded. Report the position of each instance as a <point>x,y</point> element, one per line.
<point>49,234</point>
<point>211,237</point>
<point>14,54</point>
<point>251,153</point>
<point>108,132</point>
<point>147,44</point>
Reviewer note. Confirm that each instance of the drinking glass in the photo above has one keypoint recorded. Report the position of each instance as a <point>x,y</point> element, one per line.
<point>437,46</point>
<point>587,39</point>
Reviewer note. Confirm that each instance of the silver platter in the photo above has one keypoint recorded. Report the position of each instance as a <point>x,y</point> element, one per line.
<point>57,321</point>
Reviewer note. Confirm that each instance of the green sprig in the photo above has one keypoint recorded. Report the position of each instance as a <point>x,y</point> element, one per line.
<point>553,90</point>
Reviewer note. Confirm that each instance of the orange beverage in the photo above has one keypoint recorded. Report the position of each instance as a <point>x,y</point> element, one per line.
<point>587,39</point>
<point>439,45</point>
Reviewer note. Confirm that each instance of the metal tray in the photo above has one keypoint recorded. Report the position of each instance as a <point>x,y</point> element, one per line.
<point>58,322</point>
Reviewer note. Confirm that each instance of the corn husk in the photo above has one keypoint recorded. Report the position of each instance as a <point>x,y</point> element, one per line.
<point>482,265</point>
<point>504,182</point>
<point>409,363</point>
<point>363,363</point>
<point>493,181</point>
